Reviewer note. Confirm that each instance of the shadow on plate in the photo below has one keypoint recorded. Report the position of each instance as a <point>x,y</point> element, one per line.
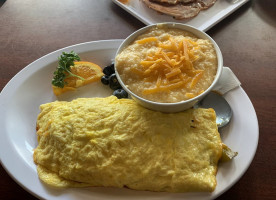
<point>119,193</point>
<point>2,3</point>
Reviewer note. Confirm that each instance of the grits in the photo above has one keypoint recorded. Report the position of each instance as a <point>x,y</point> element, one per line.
<point>117,143</point>
<point>167,65</point>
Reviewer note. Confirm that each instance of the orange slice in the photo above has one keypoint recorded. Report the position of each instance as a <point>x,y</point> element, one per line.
<point>87,70</point>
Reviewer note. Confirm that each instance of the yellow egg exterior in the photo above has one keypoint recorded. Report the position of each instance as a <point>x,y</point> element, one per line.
<point>117,143</point>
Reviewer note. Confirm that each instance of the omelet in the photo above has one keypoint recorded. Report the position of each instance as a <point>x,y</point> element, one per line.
<point>114,142</point>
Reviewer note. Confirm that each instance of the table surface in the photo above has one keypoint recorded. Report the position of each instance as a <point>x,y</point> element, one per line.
<point>30,29</point>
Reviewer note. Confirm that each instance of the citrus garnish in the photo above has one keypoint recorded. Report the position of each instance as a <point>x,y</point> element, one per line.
<point>88,71</point>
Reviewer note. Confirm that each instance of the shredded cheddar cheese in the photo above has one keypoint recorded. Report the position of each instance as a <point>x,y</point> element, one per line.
<point>171,65</point>
<point>167,65</point>
<point>146,40</point>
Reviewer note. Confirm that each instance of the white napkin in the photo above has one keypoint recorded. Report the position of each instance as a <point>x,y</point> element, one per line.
<point>227,81</point>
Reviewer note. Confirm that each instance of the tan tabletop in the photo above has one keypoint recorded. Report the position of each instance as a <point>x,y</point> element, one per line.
<point>30,29</point>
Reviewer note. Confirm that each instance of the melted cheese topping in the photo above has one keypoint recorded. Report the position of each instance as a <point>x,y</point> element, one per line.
<point>171,65</point>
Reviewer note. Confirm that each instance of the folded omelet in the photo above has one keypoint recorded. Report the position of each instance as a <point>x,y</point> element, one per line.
<point>117,143</point>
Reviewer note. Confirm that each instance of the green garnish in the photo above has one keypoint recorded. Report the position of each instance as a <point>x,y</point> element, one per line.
<point>63,71</point>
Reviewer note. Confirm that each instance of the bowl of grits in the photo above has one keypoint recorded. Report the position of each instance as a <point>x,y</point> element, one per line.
<point>168,67</point>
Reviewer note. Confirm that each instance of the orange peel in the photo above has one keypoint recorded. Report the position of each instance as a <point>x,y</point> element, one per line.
<point>89,71</point>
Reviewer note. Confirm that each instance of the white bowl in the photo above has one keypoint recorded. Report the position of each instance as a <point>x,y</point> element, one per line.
<point>178,106</point>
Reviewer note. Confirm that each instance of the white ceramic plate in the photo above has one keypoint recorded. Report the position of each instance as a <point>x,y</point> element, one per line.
<point>203,21</point>
<point>19,107</point>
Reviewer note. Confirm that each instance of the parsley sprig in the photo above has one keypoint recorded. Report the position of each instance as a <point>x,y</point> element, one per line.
<point>63,71</point>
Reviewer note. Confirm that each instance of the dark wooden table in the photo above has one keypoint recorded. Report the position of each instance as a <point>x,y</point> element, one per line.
<point>30,29</point>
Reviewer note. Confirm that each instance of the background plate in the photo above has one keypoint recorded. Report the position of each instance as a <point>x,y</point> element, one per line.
<point>203,21</point>
<point>31,87</point>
